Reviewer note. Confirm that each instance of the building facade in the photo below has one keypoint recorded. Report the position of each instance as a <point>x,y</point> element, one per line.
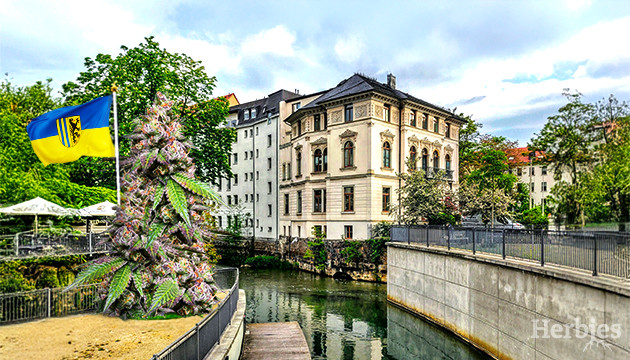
<point>341,151</point>
<point>252,192</point>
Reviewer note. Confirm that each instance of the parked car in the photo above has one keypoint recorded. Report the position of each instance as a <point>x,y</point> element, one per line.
<point>502,222</point>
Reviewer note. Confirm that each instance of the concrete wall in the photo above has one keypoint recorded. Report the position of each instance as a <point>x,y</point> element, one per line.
<point>496,305</point>
<point>231,342</point>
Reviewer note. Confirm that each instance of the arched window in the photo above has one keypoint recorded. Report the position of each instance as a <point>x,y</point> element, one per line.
<point>387,155</point>
<point>348,154</point>
<point>448,162</point>
<point>425,159</point>
<point>413,158</point>
<point>317,161</point>
<point>326,159</point>
<point>298,163</point>
<point>436,160</point>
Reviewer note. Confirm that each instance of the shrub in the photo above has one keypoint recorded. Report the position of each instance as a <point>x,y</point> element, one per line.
<point>268,262</point>
<point>351,252</point>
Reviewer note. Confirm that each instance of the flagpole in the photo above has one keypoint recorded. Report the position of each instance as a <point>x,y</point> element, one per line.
<point>114,89</point>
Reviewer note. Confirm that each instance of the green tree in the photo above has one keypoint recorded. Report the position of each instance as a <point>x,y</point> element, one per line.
<point>22,175</point>
<point>567,140</point>
<point>158,263</point>
<point>469,140</point>
<point>490,184</point>
<point>140,73</point>
<point>423,198</point>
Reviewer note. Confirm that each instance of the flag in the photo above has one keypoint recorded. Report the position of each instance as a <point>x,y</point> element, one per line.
<point>65,134</point>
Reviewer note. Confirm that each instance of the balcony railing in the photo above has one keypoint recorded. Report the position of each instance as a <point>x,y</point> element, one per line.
<point>433,171</point>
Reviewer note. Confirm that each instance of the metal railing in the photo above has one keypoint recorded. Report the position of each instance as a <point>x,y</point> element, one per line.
<point>45,303</point>
<point>206,334</point>
<point>28,244</point>
<point>599,252</point>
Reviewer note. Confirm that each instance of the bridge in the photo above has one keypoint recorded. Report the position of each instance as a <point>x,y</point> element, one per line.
<point>517,294</point>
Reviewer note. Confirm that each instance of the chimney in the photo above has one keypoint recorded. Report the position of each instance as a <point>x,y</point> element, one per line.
<point>391,81</point>
<point>297,91</point>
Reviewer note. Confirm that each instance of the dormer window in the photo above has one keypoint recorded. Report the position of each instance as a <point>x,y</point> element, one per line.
<point>295,107</point>
<point>348,114</point>
<point>386,113</point>
<point>253,116</point>
<point>246,114</point>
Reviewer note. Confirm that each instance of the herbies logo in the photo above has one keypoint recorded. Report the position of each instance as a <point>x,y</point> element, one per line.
<point>597,334</point>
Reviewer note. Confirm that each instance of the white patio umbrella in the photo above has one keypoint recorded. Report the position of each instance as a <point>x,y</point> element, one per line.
<point>38,206</point>
<point>104,208</point>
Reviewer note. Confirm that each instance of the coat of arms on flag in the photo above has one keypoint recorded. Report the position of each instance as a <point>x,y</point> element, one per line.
<point>69,130</point>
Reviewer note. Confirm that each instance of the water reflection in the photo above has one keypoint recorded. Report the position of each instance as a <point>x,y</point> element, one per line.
<point>346,320</point>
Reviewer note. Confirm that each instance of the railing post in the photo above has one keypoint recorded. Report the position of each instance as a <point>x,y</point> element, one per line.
<point>197,336</point>
<point>542,246</point>
<point>595,256</point>
<point>17,244</point>
<point>503,244</point>
<point>48,293</point>
<point>90,241</point>
<point>473,230</point>
<point>448,238</point>
<point>427,235</point>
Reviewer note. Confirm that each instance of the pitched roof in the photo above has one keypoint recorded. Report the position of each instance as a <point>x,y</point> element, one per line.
<point>267,106</point>
<point>520,155</point>
<point>357,84</point>
<point>231,98</point>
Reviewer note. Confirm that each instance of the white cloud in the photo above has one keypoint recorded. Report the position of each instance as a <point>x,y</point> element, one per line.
<point>575,5</point>
<point>349,49</point>
<point>277,40</point>
<point>216,58</point>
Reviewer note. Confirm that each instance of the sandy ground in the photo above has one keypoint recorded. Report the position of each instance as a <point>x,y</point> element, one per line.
<point>91,336</point>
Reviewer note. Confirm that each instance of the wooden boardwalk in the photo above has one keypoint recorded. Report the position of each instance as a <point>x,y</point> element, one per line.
<point>275,341</point>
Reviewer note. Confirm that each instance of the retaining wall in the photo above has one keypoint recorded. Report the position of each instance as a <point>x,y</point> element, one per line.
<point>510,309</point>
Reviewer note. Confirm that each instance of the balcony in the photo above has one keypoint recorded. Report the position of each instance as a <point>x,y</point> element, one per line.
<point>433,171</point>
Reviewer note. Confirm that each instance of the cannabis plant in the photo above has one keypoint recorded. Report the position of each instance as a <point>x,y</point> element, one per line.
<point>158,264</point>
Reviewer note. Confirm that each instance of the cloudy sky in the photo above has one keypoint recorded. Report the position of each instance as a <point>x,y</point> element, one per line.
<point>504,62</point>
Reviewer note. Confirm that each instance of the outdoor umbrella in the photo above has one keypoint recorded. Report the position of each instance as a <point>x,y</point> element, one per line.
<point>38,206</point>
<point>105,208</point>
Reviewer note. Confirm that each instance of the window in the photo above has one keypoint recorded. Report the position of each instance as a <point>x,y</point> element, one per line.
<point>251,154</point>
<point>387,155</point>
<point>295,107</point>
<point>386,198</point>
<point>245,155</point>
<point>269,140</point>
<point>245,176</point>
<point>235,199</point>
<point>289,171</point>
<point>425,159</point>
<point>448,162</point>
<point>256,130</point>
<point>299,128</point>
<point>284,171</point>
<point>543,186</point>
<point>299,201</point>
<point>257,174</point>
<point>317,229</point>
<point>235,179</point>
<point>533,171</point>
<point>299,231</point>
<point>448,130</point>
<point>229,197</point>
<point>348,154</point>
<point>318,161</point>
<point>386,113</point>
<point>347,232</point>
<point>286,204</point>
<point>348,198</point>
<point>519,171</point>
<point>348,113</point>
<point>436,160</point>
<point>425,121</point>
<point>412,118</point>
<point>316,123</point>
<point>219,184</point>
<point>251,198</point>
<point>543,171</point>
<point>413,154</point>
<point>245,134</point>
<point>269,187</point>
<point>257,153</point>
<point>318,201</point>
<point>269,210</point>
<point>257,223</point>
<point>532,188</point>
<point>229,218</point>
<point>257,197</point>
<point>229,185</point>
<point>325,121</point>
<point>246,116</point>
<point>268,163</point>
<point>326,159</point>
<point>220,221</point>
<point>235,156</point>
<point>269,229</point>
<point>246,197</point>
<point>298,163</point>
<point>436,125</point>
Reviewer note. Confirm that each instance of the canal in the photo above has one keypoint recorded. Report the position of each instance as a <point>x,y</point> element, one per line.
<point>346,319</point>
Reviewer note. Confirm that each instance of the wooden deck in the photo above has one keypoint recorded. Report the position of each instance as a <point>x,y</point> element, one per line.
<point>275,341</point>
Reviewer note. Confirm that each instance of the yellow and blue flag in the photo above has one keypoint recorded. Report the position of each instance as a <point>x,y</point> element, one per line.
<point>65,134</point>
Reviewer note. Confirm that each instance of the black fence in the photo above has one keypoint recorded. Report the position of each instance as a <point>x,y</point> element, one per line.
<point>599,252</point>
<point>200,340</point>
<point>44,303</point>
<point>28,244</point>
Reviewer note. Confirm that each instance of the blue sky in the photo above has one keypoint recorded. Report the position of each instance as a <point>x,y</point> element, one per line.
<point>504,62</point>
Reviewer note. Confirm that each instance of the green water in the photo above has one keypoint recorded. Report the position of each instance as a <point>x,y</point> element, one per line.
<point>345,319</point>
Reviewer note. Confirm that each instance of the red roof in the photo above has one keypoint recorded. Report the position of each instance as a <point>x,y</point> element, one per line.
<point>231,98</point>
<point>521,155</point>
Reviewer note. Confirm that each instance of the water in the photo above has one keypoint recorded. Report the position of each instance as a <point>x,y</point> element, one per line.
<point>346,320</point>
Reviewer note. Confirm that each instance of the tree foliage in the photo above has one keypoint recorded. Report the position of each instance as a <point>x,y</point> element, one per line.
<point>140,73</point>
<point>158,263</point>
<point>22,175</point>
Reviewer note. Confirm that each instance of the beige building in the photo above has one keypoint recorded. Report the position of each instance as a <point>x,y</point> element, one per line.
<point>341,151</point>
